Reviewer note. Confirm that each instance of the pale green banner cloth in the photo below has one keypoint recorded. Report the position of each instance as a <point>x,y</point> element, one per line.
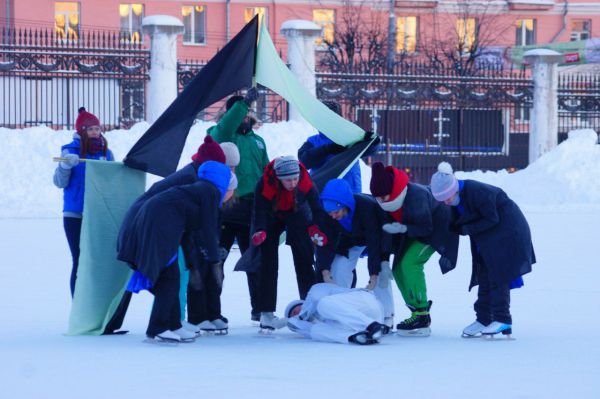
<point>110,189</point>
<point>274,74</point>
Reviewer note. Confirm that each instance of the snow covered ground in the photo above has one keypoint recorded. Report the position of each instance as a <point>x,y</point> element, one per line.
<point>556,352</point>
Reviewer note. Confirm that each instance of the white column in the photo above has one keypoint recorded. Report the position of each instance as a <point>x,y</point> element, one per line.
<point>162,88</point>
<point>543,124</point>
<point>301,35</point>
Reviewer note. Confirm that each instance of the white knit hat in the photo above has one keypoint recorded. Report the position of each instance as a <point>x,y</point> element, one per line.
<point>443,182</point>
<point>232,154</point>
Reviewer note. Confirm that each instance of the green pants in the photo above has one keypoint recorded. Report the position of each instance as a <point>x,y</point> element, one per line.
<point>409,274</point>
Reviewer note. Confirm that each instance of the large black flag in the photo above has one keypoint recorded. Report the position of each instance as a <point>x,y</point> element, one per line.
<point>231,69</point>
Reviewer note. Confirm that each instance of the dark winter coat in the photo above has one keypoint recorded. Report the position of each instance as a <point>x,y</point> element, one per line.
<point>427,221</point>
<point>156,230</point>
<point>367,219</point>
<point>497,229</point>
<point>315,152</point>
<point>270,199</point>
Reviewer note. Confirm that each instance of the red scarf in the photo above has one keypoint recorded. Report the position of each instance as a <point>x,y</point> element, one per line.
<point>273,190</point>
<point>400,182</point>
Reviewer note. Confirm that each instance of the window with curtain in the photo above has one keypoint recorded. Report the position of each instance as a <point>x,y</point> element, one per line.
<point>325,18</point>
<point>581,29</point>
<point>131,22</point>
<point>525,34</point>
<point>466,29</point>
<point>406,34</point>
<point>194,22</point>
<point>66,20</point>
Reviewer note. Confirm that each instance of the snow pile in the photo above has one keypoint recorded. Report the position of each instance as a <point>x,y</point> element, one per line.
<point>568,177</point>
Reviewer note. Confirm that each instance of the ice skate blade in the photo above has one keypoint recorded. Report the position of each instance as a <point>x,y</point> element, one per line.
<point>418,332</point>
<point>215,332</point>
<point>266,331</point>
<point>467,336</point>
<point>160,342</point>
<point>494,337</point>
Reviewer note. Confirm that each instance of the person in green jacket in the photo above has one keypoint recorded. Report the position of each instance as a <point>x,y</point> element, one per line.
<point>236,126</point>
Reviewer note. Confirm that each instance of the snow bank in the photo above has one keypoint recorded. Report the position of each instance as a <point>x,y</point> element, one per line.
<point>566,178</point>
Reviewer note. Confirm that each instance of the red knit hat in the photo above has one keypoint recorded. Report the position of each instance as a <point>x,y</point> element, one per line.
<point>382,180</point>
<point>209,151</point>
<point>84,120</point>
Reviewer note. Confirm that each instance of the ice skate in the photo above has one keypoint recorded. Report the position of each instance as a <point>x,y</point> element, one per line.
<point>269,322</point>
<point>221,326</point>
<point>473,330</point>
<point>185,336</point>
<point>389,322</point>
<point>191,327</point>
<point>206,327</point>
<point>362,338</point>
<point>497,327</point>
<point>165,338</point>
<point>377,330</point>
<point>417,325</point>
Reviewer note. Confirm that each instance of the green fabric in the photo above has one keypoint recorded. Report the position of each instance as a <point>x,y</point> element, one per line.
<point>184,277</point>
<point>410,275</point>
<point>575,52</point>
<point>110,189</point>
<point>274,74</point>
<point>253,150</point>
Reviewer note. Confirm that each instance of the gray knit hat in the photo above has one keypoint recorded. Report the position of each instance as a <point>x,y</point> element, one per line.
<point>286,167</point>
<point>232,154</point>
<point>233,182</point>
<point>443,183</point>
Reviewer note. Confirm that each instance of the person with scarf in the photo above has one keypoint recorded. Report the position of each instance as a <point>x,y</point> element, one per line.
<point>235,126</point>
<point>354,224</point>
<point>88,143</point>
<point>285,199</point>
<point>420,226</point>
<point>154,237</point>
<point>501,246</point>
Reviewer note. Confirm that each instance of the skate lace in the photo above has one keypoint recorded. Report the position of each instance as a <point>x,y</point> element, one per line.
<point>410,320</point>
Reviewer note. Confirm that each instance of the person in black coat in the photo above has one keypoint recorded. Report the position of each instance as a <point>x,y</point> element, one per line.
<point>501,245</point>
<point>420,226</point>
<point>285,199</point>
<point>155,233</point>
<point>352,226</point>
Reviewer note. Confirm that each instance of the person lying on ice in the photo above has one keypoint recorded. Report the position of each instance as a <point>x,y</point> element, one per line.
<point>501,245</point>
<point>151,246</point>
<point>354,223</point>
<point>285,199</point>
<point>420,226</point>
<point>332,313</point>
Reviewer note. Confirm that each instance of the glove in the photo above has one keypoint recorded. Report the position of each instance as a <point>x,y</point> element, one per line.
<point>71,160</point>
<point>394,228</point>
<point>385,275</point>
<point>259,237</point>
<point>251,96</point>
<point>372,283</point>
<point>216,268</point>
<point>327,277</point>
<point>317,236</point>
<point>334,148</point>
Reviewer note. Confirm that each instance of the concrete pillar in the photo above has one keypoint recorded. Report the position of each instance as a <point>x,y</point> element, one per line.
<point>162,88</point>
<point>543,124</point>
<point>301,35</point>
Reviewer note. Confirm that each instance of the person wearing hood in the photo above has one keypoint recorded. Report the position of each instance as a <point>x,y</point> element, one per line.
<point>354,224</point>
<point>285,200</point>
<point>420,226</point>
<point>501,246</point>
<point>236,126</point>
<point>332,313</point>
<point>88,143</point>
<point>156,231</point>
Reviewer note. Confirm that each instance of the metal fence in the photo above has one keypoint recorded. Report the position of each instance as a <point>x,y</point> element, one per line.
<point>270,107</point>
<point>578,103</point>
<point>44,78</point>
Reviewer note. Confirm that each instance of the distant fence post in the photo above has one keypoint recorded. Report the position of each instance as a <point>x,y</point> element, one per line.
<point>162,88</point>
<point>301,35</point>
<point>543,132</point>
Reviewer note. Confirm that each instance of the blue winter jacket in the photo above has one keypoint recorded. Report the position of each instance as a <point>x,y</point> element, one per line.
<point>353,176</point>
<point>73,192</point>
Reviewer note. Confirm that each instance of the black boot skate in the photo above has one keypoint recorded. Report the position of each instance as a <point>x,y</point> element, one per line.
<point>417,325</point>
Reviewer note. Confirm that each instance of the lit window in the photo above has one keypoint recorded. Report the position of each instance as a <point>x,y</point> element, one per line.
<point>194,21</point>
<point>131,22</point>
<point>66,20</point>
<point>581,29</point>
<point>406,35</point>
<point>525,32</point>
<point>250,12</point>
<point>326,20</point>
<point>466,29</point>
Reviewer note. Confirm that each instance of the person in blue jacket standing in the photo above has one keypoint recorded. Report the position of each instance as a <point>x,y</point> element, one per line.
<point>501,245</point>
<point>88,143</point>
